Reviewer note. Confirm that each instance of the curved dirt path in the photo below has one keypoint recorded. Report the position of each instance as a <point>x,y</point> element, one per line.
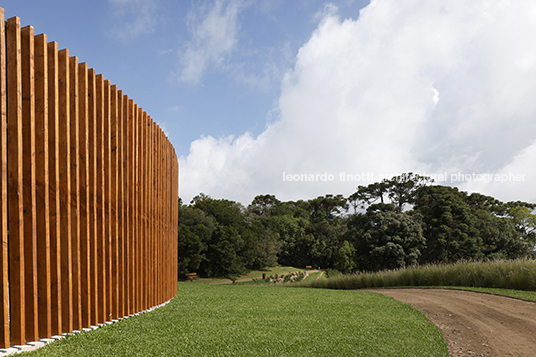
<point>476,324</point>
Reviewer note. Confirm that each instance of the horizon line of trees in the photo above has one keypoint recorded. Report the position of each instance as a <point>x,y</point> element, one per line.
<point>395,223</point>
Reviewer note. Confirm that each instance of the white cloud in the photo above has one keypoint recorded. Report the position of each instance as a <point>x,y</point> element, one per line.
<point>135,17</point>
<point>214,36</point>
<point>422,86</point>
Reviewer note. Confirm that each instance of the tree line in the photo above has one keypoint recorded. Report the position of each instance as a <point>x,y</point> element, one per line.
<point>398,222</point>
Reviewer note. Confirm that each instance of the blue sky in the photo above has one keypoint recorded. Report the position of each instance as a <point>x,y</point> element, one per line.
<point>335,94</point>
<point>140,46</point>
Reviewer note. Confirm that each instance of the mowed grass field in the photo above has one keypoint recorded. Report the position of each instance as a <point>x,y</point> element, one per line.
<point>264,320</point>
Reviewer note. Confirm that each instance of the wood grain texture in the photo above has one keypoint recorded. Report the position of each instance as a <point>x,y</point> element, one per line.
<point>120,205</point>
<point>65,191</point>
<point>107,198</point>
<point>28,174</point>
<point>14,176</point>
<point>54,188</point>
<point>131,206</point>
<point>93,192</point>
<point>101,234</point>
<point>114,253</point>
<point>42,187</point>
<point>126,204</point>
<point>75,190</point>
<point>4,262</point>
<point>83,187</point>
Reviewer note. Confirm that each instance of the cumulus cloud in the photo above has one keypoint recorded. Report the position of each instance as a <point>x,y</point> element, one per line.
<point>135,17</point>
<point>422,86</point>
<point>214,32</point>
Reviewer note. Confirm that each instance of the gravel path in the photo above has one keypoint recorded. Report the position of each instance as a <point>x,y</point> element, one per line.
<point>476,324</point>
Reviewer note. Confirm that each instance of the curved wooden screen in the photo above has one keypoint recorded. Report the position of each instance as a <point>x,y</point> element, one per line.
<point>89,186</point>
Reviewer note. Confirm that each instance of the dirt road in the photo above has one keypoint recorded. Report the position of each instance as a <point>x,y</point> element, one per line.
<point>476,324</point>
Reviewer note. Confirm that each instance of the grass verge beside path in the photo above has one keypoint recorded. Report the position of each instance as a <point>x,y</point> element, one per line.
<point>241,320</point>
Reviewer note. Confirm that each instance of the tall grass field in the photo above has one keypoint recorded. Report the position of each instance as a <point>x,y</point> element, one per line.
<point>263,320</point>
<point>500,274</point>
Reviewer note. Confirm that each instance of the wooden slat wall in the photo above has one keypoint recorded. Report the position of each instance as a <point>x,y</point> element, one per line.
<point>89,195</point>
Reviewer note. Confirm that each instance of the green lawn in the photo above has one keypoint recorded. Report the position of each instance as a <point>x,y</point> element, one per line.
<point>312,276</point>
<point>244,320</point>
<point>255,274</point>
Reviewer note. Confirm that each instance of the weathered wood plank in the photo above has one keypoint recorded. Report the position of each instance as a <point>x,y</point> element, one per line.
<point>28,173</point>
<point>107,198</point>
<point>54,188</point>
<point>158,212</point>
<point>113,203</point>
<point>150,229</point>
<point>75,190</point>
<point>93,192</point>
<point>4,262</point>
<point>132,112</point>
<point>14,176</point>
<point>65,191</point>
<point>42,186</point>
<point>126,203</point>
<point>167,196</point>
<point>83,169</point>
<point>137,221</point>
<point>143,211</point>
<point>101,235</point>
<point>120,205</point>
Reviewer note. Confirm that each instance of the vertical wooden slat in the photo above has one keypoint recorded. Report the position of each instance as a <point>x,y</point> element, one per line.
<point>54,188</point>
<point>120,205</point>
<point>93,192</point>
<point>83,168</point>
<point>140,212</point>
<point>42,186</point>
<point>168,236</point>
<point>126,175</point>
<point>164,225</point>
<point>155,212</point>
<point>65,191</point>
<point>28,159</point>
<point>164,237</point>
<point>158,213</point>
<point>150,230</point>
<point>75,190</point>
<point>143,210</point>
<point>156,217</point>
<point>101,235</point>
<point>131,193</point>
<point>166,211</point>
<point>15,204</point>
<point>137,284</point>
<point>107,200</point>
<point>113,203</point>
<point>4,262</point>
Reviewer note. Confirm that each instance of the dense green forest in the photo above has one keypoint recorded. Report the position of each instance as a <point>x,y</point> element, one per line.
<point>406,220</point>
